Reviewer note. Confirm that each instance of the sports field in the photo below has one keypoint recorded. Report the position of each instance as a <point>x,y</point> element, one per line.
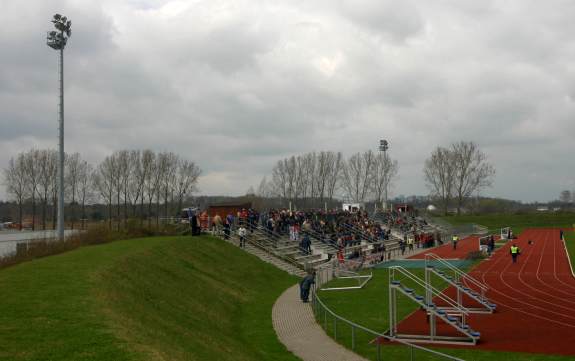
<point>517,222</point>
<point>535,297</point>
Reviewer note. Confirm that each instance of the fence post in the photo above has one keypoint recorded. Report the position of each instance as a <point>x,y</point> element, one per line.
<point>411,353</point>
<point>325,319</point>
<point>335,328</point>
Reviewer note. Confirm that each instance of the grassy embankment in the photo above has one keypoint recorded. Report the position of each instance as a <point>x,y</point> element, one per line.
<point>517,222</point>
<point>161,298</point>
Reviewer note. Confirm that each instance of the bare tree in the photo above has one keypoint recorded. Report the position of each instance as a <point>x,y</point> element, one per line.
<point>85,172</point>
<point>565,197</point>
<point>104,179</point>
<point>472,172</point>
<point>439,175</point>
<point>357,176</point>
<point>73,163</point>
<point>264,190</point>
<point>384,173</point>
<point>186,179</point>
<point>335,166</point>
<point>151,179</point>
<point>31,167</point>
<point>47,170</point>
<point>15,181</point>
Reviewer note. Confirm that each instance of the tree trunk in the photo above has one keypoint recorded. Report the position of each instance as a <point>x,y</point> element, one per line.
<point>20,213</point>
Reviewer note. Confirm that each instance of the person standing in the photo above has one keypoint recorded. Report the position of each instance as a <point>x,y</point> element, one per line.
<point>515,251</point>
<point>454,241</point>
<point>305,285</point>
<point>226,230</point>
<point>242,233</point>
<point>491,245</point>
<point>561,235</point>
<point>217,224</point>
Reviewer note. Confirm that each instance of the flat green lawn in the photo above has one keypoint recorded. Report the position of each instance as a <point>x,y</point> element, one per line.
<point>517,222</point>
<point>570,243</point>
<point>369,307</point>
<point>171,298</point>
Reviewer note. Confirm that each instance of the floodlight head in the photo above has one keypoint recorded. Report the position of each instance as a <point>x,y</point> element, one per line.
<point>57,40</point>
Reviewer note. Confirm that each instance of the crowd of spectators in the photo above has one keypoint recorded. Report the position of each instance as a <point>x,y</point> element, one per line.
<point>340,229</point>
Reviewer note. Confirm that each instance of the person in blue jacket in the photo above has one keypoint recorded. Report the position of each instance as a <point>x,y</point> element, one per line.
<point>305,285</point>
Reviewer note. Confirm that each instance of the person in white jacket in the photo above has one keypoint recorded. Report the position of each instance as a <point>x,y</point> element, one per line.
<point>242,233</point>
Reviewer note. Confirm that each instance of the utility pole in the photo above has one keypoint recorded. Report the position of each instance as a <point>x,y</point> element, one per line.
<point>57,40</point>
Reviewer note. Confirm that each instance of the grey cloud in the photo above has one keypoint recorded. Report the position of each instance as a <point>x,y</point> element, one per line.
<point>235,86</point>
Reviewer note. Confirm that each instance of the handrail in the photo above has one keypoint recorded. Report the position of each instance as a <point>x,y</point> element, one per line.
<point>434,290</point>
<point>358,231</point>
<point>267,248</point>
<point>456,270</point>
<point>318,301</point>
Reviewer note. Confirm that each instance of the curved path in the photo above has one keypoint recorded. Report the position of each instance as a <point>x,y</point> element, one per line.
<point>296,328</point>
<point>535,298</point>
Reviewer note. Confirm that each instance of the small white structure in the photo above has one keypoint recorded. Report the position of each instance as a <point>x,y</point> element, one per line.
<point>352,207</point>
<point>431,208</point>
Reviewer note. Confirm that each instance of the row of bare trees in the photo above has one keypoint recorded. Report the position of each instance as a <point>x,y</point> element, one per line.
<point>143,183</point>
<point>457,172</point>
<point>132,183</point>
<point>31,177</point>
<point>319,177</point>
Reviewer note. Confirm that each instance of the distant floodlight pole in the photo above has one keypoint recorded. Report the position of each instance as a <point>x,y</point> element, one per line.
<point>383,146</point>
<point>57,40</point>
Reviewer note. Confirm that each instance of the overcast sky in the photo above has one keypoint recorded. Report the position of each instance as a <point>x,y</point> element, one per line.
<point>236,85</point>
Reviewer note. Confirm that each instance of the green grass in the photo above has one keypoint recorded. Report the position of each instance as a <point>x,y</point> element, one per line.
<point>517,222</point>
<point>171,298</point>
<point>369,307</point>
<point>570,244</point>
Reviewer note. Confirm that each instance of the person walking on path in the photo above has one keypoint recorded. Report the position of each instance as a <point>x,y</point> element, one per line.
<point>561,235</point>
<point>454,241</point>
<point>242,233</point>
<point>305,286</point>
<point>515,251</point>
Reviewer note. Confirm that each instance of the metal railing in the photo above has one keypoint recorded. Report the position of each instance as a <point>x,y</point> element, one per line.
<point>368,342</point>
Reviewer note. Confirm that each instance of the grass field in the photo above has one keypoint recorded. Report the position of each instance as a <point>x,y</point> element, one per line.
<point>570,244</point>
<point>517,222</point>
<point>174,298</point>
<point>369,307</point>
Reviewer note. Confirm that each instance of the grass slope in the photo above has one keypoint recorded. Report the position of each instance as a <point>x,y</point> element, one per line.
<point>369,307</point>
<point>175,298</point>
<point>517,222</point>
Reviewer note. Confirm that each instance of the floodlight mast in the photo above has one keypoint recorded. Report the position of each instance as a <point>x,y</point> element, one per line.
<point>57,40</point>
<point>383,146</point>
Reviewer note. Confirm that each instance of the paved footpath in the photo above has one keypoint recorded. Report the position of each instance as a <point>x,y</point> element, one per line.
<point>296,328</point>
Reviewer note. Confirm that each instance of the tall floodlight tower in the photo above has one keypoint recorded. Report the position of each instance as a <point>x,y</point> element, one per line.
<point>383,146</point>
<point>57,40</point>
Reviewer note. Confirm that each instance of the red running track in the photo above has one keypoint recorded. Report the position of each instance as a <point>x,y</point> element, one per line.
<point>535,299</point>
<point>446,251</point>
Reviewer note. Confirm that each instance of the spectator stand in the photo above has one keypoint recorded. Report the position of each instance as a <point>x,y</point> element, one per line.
<point>404,283</point>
